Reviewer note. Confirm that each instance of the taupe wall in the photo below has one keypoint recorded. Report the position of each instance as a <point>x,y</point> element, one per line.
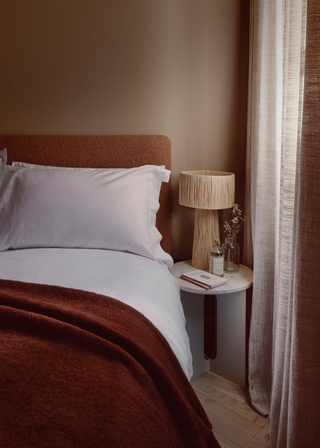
<point>173,67</point>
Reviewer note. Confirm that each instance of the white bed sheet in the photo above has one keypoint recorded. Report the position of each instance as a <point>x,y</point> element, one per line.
<point>144,284</point>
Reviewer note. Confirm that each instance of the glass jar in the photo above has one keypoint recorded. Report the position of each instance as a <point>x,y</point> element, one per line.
<point>216,259</point>
<point>231,253</point>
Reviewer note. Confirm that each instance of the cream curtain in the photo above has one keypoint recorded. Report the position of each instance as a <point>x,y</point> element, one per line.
<point>282,239</point>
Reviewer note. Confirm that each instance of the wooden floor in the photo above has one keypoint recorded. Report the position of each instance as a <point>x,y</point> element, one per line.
<point>235,423</point>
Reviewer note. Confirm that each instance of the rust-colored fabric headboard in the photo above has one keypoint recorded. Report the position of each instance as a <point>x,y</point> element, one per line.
<point>98,151</point>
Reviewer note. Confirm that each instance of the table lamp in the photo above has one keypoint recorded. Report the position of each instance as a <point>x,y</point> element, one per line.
<point>207,192</point>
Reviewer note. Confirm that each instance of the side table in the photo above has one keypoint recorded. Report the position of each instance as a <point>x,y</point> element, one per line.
<point>230,361</point>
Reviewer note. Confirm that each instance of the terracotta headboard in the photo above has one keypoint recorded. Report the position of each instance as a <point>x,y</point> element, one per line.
<point>98,151</point>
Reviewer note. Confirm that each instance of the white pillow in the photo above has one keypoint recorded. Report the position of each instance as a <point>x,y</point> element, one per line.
<point>82,208</point>
<point>3,162</point>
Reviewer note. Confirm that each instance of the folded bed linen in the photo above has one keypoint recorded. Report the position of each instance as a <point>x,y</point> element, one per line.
<point>144,284</point>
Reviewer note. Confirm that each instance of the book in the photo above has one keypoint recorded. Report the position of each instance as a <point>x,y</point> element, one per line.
<point>203,279</point>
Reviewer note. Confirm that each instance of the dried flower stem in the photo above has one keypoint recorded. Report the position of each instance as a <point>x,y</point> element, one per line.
<point>233,226</point>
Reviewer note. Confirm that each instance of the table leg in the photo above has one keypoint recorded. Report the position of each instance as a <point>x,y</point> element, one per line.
<point>230,361</point>
<point>193,306</point>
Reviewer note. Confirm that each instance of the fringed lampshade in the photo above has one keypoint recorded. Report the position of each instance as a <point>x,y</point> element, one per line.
<point>207,192</point>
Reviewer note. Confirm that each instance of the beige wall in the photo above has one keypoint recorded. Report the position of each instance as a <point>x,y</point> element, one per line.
<point>173,67</point>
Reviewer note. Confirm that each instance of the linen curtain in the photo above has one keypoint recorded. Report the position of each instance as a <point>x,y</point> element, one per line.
<point>282,237</point>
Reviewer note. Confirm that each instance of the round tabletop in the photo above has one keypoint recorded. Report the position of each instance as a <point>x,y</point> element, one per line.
<point>235,282</point>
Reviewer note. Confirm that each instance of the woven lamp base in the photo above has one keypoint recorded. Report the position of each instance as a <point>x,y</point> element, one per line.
<point>206,230</point>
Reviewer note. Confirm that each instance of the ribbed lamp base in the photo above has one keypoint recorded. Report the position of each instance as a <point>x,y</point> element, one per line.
<point>206,230</point>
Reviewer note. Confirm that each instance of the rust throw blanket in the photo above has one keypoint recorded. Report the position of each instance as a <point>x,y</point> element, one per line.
<point>81,370</point>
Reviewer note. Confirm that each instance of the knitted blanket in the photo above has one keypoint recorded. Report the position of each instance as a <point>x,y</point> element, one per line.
<point>78,369</point>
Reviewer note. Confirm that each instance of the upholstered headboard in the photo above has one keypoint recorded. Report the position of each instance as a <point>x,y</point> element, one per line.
<point>98,151</point>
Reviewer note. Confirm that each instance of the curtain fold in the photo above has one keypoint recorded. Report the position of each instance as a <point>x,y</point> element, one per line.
<point>282,237</point>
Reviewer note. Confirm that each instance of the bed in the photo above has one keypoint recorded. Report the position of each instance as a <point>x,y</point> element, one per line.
<point>93,348</point>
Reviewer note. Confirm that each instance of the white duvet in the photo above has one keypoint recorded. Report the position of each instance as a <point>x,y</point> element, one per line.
<point>144,284</point>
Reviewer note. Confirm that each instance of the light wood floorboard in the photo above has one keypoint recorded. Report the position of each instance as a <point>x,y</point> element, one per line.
<point>235,423</point>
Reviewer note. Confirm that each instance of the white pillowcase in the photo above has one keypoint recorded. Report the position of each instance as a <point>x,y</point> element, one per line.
<point>82,208</point>
<point>3,162</point>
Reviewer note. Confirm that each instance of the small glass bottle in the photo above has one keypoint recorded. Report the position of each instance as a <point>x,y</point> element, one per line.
<point>217,259</point>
